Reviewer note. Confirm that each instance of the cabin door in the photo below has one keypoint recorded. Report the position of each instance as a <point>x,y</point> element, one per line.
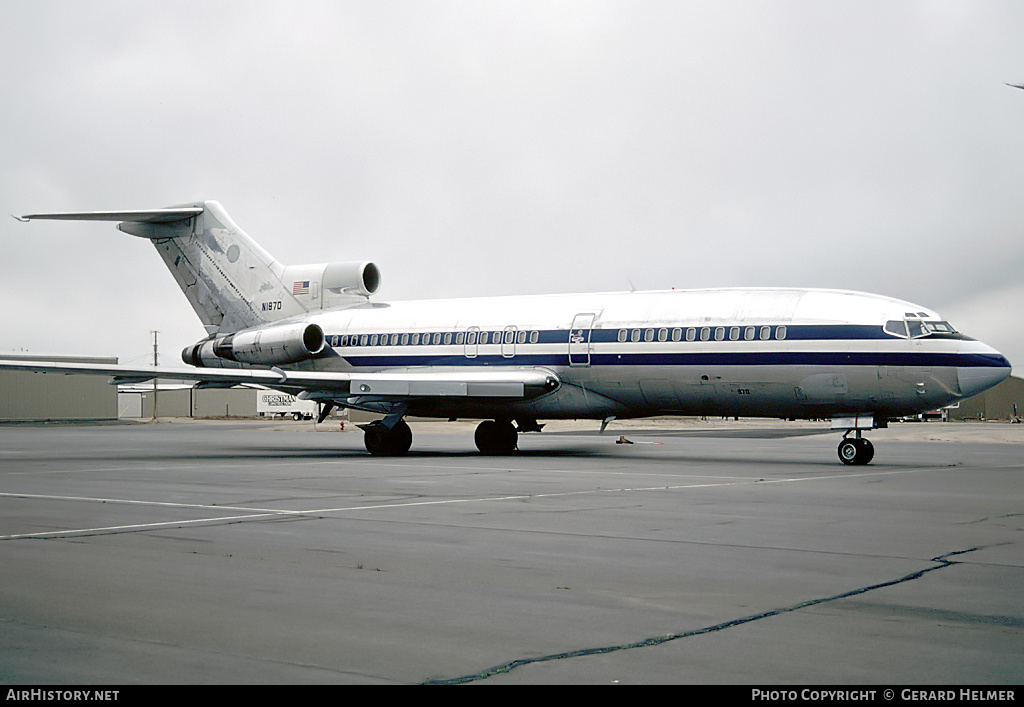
<point>579,338</point>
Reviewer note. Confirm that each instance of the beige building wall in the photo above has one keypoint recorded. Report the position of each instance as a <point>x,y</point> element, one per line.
<point>994,404</point>
<point>57,396</point>
<point>201,402</point>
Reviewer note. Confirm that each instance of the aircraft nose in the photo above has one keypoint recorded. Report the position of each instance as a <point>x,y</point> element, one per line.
<point>986,368</point>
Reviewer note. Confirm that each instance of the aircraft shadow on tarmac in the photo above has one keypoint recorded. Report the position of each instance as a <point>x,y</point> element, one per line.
<point>576,444</point>
<point>605,447</point>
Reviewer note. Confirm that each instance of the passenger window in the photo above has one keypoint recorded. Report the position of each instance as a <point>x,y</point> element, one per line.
<point>780,332</point>
<point>483,337</point>
<point>634,335</point>
<point>373,339</point>
<point>623,334</point>
<point>748,333</point>
<point>691,334</point>
<point>734,333</point>
<point>720,333</point>
<point>521,337</point>
<point>405,339</point>
<point>415,339</point>
<point>437,338</point>
<point>471,338</point>
<point>534,337</point>
<point>705,333</point>
<point>677,334</point>
<point>648,334</point>
<point>364,339</point>
<point>766,333</point>
<point>662,334</point>
<point>447,338</point>
<point>460,338</point>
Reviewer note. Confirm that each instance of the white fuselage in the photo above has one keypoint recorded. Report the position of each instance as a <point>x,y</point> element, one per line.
<point>745,352</point>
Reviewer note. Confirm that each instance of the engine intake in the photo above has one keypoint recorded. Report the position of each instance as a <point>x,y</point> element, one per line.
<point>362,278</point>
<point>265,346</point>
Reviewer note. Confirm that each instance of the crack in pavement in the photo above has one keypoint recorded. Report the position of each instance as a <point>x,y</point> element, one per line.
<point>941,560</point>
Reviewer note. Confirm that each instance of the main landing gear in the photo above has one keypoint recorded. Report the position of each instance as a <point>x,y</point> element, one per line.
<point>382,441</point>
<point>493,437</point>
<point>496,437</point>
<point>855,451</point>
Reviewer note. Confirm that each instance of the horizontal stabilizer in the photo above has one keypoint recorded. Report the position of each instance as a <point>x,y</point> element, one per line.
<point>149,216</point>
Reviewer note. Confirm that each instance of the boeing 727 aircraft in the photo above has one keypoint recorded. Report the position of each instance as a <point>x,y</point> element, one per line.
<point>313,331</point>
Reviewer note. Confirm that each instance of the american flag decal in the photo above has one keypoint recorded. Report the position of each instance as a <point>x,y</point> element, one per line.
<point>301,288</point>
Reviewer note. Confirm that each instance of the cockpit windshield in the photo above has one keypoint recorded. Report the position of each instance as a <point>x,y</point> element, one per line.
<point>914,328</point>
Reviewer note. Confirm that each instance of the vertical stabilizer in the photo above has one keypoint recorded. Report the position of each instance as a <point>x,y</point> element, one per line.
<point>231,282</point>
<point>228,278</point>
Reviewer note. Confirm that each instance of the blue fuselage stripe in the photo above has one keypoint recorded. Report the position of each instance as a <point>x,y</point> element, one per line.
<point>775,358</point>
<point>556,342</point>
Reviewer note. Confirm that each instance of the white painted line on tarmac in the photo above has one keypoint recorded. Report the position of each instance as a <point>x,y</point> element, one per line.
<point>264,513</point>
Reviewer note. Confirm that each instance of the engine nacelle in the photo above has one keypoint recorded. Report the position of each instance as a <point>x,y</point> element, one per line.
<point>353,278</point>
<point>266,346</point>
<point>361,278</point>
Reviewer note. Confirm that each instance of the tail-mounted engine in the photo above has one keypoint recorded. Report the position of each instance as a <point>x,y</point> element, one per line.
<point>360,278</point>
<point>351,278</point>
<point>265,346</point>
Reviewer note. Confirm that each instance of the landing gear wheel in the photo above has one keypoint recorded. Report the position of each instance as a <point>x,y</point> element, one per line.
<point>382,442</point>
<point>496,437</point>
<point>856,452</point>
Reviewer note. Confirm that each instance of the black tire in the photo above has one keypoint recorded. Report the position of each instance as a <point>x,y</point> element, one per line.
<point>382,442</point>
<point>496,437</point>
<point>400,439</point>
<point>374,441</point>
<point>867,451</point>
<point>856,452</point>
<point>848,452</point>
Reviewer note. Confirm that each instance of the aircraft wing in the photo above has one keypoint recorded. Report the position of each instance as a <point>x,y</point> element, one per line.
<point>382,386</point>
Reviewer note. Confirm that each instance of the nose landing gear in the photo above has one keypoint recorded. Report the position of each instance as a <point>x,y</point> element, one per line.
<point>856,451</point>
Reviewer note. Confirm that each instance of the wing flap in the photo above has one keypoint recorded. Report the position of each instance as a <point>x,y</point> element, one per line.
<point>457,382</point>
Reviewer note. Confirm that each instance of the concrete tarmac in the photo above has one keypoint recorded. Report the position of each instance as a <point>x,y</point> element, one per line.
<point>244,553</point>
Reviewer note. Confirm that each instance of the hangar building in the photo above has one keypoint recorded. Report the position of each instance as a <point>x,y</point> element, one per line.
<point>56,396</point>
<point>1003,402</point>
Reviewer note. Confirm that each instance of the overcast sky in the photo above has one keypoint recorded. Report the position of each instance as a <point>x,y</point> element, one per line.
<point>476,148</point>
